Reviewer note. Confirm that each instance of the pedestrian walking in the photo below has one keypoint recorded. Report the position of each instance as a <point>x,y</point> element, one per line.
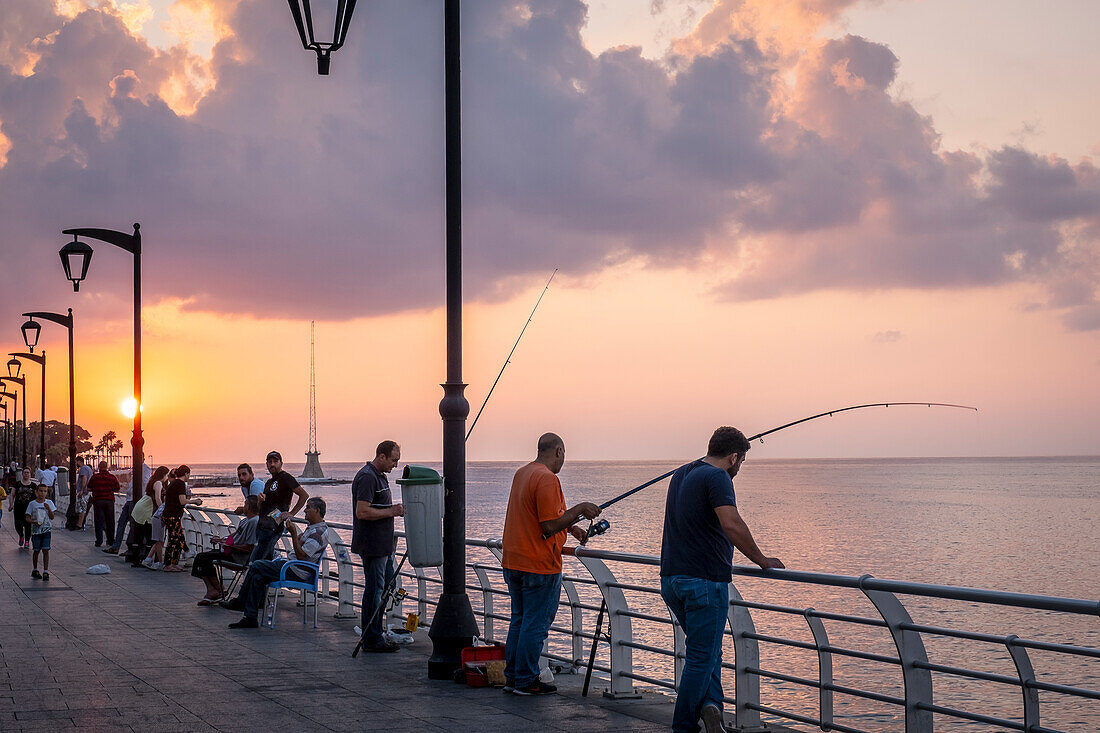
<point>22,494</point>
<point>40,517</point>
<point>702,526</point>
<point>83,494</point>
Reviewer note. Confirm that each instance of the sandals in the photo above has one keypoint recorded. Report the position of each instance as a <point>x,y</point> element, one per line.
<point>207,601</point>
<point>173,569</point>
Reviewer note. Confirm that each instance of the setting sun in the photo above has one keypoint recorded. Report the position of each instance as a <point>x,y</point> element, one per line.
<point>129,407</point>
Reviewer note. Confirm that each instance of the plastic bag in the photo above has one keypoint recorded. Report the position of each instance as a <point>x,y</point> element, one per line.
<point>101,569</point>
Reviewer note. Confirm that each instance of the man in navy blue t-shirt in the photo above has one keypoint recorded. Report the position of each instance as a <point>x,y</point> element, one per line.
<point>702,526</point>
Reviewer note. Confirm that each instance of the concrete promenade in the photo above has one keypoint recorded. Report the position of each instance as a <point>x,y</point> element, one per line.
<point>132,651</point>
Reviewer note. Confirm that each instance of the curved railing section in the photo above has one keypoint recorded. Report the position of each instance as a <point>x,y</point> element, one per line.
<point>639,625</point>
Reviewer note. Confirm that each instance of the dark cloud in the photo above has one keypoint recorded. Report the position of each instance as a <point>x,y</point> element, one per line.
<point>287,194</point>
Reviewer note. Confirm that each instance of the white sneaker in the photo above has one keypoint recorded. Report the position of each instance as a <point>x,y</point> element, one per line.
<point>147,562</point>
<point>158,566</point>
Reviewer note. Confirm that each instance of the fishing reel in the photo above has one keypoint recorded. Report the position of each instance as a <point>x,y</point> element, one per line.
<point>598,528</point>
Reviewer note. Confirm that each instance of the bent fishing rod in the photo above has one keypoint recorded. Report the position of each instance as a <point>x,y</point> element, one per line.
<point>760,437</point>
<point>509,359</point>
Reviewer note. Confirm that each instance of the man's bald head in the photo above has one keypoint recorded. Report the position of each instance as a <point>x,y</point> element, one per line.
<point>551,451</point>
<point>549,442</point>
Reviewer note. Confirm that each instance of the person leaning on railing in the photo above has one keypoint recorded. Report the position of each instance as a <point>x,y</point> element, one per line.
<point>534,534</point>
<point>702,526</point>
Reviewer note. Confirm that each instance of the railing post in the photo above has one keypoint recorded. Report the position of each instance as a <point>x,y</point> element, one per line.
<point>1026,673</point>
<point>576,619</point>
<point>622,658</point>
<point>345,579</point>
<point>486,604</point>
<point>824,668</point>
<point>679,648</point>
<point>746,655</point>
<point>918,682</point>
<point>422,596</point>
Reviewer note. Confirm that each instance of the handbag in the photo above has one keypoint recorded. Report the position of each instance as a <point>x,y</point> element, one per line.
<point>142,512</point>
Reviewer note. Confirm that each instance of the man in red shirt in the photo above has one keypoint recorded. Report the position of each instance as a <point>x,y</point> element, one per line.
<point>103,487</point>
<point>534,534</point>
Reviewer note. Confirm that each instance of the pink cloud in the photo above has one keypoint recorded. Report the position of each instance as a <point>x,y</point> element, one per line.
<point>287,194</point>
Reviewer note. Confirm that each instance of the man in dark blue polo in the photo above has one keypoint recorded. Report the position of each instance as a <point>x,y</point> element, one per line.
<point>372,539</point>
<point>702,526</point>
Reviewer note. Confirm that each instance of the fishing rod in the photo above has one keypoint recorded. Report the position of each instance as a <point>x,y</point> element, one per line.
<point>509,359</point>
<point>760,437</point>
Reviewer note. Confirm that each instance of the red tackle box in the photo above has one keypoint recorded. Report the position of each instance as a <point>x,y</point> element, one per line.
<point>473,663</point>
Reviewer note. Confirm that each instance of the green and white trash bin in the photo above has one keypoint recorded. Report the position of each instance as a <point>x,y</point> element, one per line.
<point>422,497</point>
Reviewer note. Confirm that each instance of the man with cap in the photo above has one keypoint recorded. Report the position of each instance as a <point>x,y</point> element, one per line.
<point>275,509</point>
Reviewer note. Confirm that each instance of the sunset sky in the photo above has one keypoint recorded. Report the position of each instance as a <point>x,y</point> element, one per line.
<point>759,209</point>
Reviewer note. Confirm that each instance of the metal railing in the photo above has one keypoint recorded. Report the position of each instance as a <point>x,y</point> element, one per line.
<point>341,584</point>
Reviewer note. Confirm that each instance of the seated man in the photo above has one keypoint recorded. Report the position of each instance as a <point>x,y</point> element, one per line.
<point>235,548</point>
<point>308,546</point>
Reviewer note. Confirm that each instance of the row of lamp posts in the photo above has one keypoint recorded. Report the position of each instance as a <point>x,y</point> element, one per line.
<point>76,257</point>
<point>453,626</point>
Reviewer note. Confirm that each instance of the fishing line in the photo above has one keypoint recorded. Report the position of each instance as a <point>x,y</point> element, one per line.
<point>508,360</point>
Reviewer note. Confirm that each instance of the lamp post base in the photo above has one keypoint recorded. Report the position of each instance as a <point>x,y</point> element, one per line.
<point>453,629</point>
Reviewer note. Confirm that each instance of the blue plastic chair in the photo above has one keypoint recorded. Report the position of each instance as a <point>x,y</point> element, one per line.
<point>292,583</point>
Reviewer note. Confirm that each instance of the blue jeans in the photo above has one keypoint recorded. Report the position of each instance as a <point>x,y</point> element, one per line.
<point>264,549</point>
<point>121,525</point>
<point>261,574</point>
<point>701,606</point>
<point>377,572</point>
<point>534,604</point>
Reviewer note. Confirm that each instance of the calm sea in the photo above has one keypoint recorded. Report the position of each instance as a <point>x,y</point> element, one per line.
<point>1017,524</point>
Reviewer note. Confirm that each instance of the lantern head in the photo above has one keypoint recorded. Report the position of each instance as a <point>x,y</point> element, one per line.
<point>31,331</point>
<point>303,13</point>
<point>75,258</point>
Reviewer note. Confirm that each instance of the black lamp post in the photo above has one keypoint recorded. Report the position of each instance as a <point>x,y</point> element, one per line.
<point>9,437</point>
<point>23,386</point>
<point>31,331</point>
<point>453,626</point>
<point>40,359</point>
<point>4,435</point>
<point>303,19</point>
<point>76,256</point>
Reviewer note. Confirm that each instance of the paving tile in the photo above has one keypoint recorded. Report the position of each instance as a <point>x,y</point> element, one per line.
<point>132,651</point>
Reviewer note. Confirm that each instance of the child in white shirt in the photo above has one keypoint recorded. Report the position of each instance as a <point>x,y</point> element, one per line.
<point>40,516</point>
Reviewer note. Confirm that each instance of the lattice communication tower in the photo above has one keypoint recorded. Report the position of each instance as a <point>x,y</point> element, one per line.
<point>313,461</point>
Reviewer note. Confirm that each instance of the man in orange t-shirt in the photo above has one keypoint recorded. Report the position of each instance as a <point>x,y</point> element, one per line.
<point>534,534</point>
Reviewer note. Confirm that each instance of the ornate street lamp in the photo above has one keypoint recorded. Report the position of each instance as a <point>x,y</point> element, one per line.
<point>303,19</point>
<point>75,258</point>
<point>132,244</point>
<point>23,386</point>
<point>14,367</point>
<point>40,359</point>
<point>67,322</point>
<point>453,625</point>
<point>31,332</point>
